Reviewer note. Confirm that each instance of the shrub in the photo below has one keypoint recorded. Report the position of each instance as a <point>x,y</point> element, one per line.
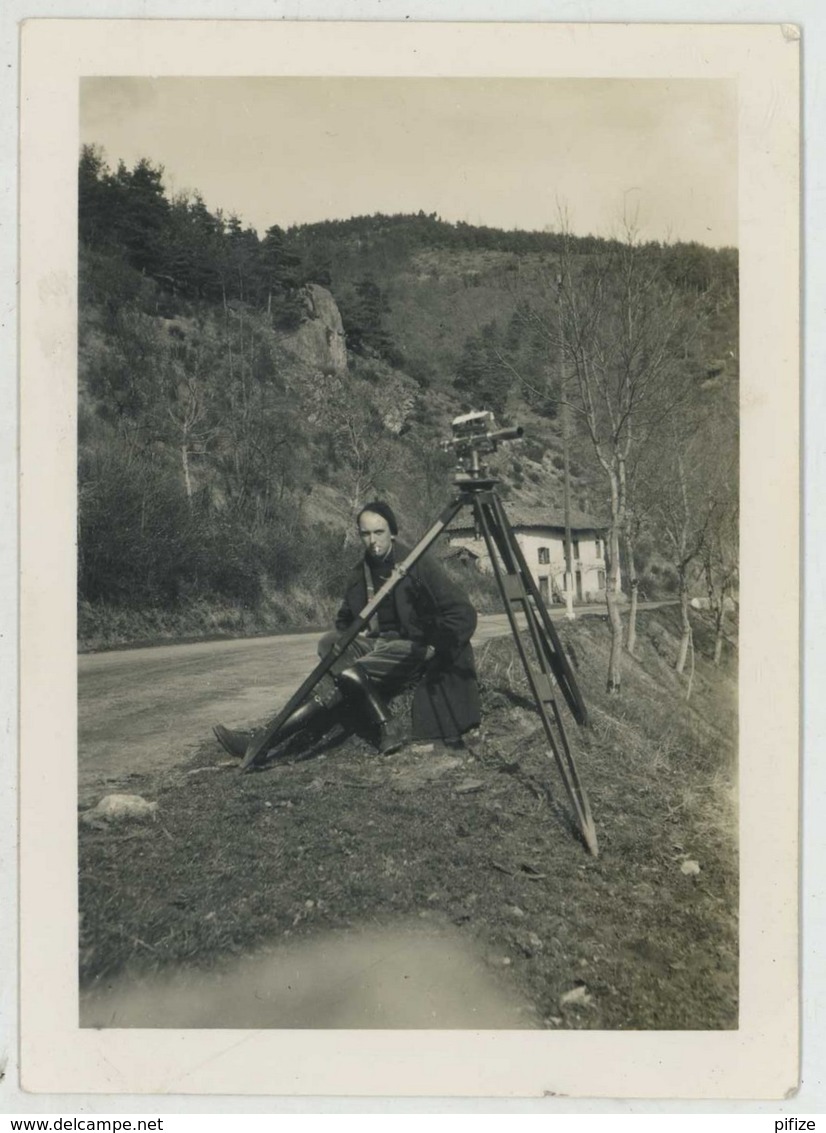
<point>137,539</point>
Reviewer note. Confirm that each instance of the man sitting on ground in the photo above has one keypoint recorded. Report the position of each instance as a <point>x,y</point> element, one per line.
<point>420,633</point>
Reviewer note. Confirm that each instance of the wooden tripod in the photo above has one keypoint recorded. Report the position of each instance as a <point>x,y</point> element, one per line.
<point>548,667</point>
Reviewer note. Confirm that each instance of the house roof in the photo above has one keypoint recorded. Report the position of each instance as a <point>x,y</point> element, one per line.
<point>535,517</point>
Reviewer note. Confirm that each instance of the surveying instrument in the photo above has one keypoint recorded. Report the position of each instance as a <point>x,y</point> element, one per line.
<point>547,669</point>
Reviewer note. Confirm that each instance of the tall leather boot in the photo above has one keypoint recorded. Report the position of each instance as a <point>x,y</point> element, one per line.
<point>233,743</point>
<point>236,743</point>
<point>391,729</point>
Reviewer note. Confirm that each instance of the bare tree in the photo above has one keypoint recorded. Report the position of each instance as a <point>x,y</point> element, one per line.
<point>720,555</point>
<point>627,334</point>
<point>188,413</point>
<point>687,488</point>
<point>682,516</point>
<point>187,368</point>
<point>361,446</point>
<point>720,568</point>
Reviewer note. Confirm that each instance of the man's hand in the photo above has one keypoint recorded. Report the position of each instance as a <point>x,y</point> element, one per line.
<point>429,653</point>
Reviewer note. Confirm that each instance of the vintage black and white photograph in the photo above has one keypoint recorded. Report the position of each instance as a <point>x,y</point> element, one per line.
<point>474,344</point>
<point>410,446</point>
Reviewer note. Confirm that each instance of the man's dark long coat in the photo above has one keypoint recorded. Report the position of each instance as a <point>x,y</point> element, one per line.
<point>432,610</point>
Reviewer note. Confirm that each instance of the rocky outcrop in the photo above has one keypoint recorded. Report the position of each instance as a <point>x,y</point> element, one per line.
<point>319,340</point>
<point>395,398</point>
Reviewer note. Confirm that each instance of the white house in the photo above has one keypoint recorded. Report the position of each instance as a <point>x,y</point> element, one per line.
<point>541,537</point>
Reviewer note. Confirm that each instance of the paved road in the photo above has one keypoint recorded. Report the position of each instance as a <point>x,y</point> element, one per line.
<point>142,709</point>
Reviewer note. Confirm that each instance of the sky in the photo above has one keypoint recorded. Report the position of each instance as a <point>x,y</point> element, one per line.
<point>509,153</point>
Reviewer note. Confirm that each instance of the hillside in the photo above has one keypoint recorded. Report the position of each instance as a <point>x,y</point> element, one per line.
<point>240,396</point>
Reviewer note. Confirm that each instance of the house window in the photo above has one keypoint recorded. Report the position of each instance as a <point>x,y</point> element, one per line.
<point>601,579</point>
<point>544,556</point>
<point>575,549</point>
<point>598,543</point>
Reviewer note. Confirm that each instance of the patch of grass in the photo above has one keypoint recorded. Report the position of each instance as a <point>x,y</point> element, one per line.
<point>300,607</point>
<point>479,837</point>
<point>102,626</point>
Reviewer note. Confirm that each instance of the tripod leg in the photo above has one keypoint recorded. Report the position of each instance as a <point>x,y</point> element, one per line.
<point>512,586</point>
<point>551,642</point>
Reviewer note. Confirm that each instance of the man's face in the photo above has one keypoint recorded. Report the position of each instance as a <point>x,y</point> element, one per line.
<point>375,534</point>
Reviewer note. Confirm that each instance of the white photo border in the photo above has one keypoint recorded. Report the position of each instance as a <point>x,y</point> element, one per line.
<point>760,1059</point>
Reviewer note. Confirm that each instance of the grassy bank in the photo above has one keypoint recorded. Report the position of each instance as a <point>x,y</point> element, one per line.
<point>104,625</point>
<point>645,936</point>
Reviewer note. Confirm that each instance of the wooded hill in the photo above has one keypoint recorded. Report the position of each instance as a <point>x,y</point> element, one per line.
<point>239,396</point>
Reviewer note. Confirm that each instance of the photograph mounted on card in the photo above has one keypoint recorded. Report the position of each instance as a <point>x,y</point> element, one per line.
<point>414,398</point>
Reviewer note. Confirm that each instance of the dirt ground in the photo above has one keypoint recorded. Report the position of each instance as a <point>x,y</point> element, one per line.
<point>331,870</point>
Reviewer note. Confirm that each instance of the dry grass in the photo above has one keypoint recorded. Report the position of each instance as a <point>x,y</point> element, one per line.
<point>480,838</point>
<point>103,626</point>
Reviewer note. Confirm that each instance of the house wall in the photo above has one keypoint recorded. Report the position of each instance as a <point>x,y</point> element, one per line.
<point>588,560</point>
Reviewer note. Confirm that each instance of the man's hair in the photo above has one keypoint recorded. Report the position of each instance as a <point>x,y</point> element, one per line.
<point>379,507</point>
